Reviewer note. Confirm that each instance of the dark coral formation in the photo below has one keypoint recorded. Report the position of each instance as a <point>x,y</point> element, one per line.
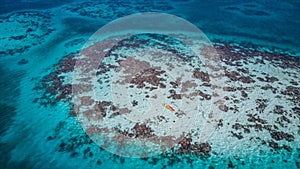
<point>238,126</point>
<point>262,104</point>
<point>269,87</point>
<point>102,109</point>
<point>117,8</point>
<point>76,146</point>
<point>150,76</point>
<point>201,75</point>
<point>237,135</point>
<point>293,94</point>
<point>267,79</point>
<point>257,119</point>
<point>82,146</point>
<point>53,86</point>
<point>174,95</point>
<point>204,95</point>
<point>134,103</point>
<point>230,56</point>
<point>154,41</point>
<point>198,149</point>
<point>32,31</point>
<point>142,131</point>
<point>280,135</point>
<point>23,62</point>
<point>235,76</point>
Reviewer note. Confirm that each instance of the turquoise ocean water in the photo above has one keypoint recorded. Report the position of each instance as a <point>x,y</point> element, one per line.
<point>39,131</point>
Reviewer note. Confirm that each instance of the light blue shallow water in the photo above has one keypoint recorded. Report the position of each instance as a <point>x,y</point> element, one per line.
<point>35,135</point>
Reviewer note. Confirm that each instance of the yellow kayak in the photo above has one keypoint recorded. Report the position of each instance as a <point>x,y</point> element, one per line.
<point>168,107</point>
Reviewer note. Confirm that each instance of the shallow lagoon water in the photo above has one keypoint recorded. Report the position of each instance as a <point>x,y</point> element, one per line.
<point>259,50</point>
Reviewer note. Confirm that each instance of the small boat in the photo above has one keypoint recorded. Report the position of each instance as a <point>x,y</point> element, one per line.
<point>168,107</point>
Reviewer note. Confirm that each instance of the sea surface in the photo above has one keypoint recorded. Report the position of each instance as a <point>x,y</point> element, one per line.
<point>236,105</point>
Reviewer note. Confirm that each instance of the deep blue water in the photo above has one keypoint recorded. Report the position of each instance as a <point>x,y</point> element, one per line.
<point>275,21</point>
<point>24,142</point>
